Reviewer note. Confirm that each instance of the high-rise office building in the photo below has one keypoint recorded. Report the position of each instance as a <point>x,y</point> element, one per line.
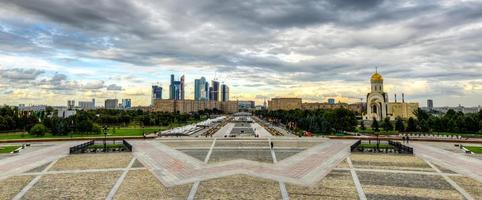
<point>430,104</point>
<point>214,91</point>
<point>331,101</point>
<point>176,88</point>
<point>111,103</point>
<point>201,89</point>
<point>126,103</point>
<point>156,93</point>
<point>224,93</point>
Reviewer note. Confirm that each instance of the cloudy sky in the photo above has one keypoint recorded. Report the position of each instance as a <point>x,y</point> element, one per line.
<point>52,50</point>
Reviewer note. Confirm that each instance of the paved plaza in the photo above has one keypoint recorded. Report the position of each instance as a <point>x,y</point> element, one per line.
<point>240,168</point>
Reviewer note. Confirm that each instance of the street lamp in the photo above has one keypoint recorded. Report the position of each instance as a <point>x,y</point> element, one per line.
<point>72,128</point>
<point>105,138</point>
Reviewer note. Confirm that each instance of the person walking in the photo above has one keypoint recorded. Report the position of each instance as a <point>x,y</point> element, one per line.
<point>272,145</point>
<point>408,139</point>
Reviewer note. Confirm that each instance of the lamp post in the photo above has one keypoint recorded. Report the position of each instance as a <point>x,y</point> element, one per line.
<point>105,138</point>
<point>143,132</point>
<point>72,128</point>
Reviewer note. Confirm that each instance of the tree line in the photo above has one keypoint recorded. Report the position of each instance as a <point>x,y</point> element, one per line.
<point>317,121</point>
<point>450,122</point>
<point>88,121</point>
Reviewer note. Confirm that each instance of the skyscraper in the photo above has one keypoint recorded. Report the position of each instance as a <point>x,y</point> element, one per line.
<point>156,93</point>
<point>176,88</point>
<point>201,89</point>
<point>224,93</point>
<point>430,104</point>
<point>331,101</point>
<point>214,91</point>
<point>126,103</point>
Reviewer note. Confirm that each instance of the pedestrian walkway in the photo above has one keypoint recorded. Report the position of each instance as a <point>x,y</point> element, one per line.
<point>456,162</point>
<point>29,160</point>
<point>225,130</point>
<point>173,167</point>
<point>259,130</point>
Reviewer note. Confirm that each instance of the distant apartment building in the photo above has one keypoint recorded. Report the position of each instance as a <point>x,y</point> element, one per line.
<point>246,105</point>
<point>189,106</point>
<point>111,103</point>
<point>176,88</point>
<point>126,103</point>
<point>355,107</point>
<point>459,108</point>
<point>331,101</point>
<point>224,93</point>
<point>284,104</point>
<point>296,103</point>
<point>214,91</point>
<point>201,89</point>
<point>87,105</point>
<point>70,104</point>
<point>156,93</point>
<point>64,112</point>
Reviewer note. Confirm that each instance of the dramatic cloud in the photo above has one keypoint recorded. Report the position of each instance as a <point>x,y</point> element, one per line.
<point>283,47</point>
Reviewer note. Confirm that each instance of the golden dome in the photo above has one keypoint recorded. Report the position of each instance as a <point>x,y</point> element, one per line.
<point>377,77</point>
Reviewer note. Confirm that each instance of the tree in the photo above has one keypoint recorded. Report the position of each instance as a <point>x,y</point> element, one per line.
<point>375,126</point>
<point>480,126</point>
<point>387,125</point>
<point>399,126</point>
<point>424,126</point>
<point>411,125</point>
<point>362,125</point>
<point>38,130</point>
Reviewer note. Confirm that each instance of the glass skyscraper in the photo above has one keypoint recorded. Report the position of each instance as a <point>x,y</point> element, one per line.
<point>156,93</point>
<point>176,88</point>
<point>201,89</point>
<point>214,91</point>
<point>224,93</point>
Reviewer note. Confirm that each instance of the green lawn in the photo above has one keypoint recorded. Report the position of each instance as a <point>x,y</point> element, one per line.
<point>374,145</point>
<point>475,149</point>
<point>8,149</point>
<point>118,132</point>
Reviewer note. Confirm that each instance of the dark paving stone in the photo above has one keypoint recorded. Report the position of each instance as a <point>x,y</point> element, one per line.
<point>282,154</point>
<point>403,180</point>
<point>260,155</point>
<point>199,154</point>
<point>39,168</point>
<point>137,164</point>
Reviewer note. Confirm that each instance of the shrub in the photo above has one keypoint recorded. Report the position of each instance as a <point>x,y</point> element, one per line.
<point>38,130</point>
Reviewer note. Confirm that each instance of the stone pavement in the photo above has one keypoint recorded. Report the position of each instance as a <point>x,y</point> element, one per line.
<point>456,162</point>
<point>225,130</point>
<point>29,160</point>
<point>262,132</point>
<point>173,167</point>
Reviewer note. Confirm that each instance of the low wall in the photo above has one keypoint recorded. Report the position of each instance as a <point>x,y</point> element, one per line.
<point>469,140</point>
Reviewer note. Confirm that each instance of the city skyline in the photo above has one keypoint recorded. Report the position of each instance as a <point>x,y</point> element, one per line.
<point>51,53</point>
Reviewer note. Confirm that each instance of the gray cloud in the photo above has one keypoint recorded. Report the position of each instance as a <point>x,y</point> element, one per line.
<point>276,43</point>
<point>19,74</point>
<point>114,87</point>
